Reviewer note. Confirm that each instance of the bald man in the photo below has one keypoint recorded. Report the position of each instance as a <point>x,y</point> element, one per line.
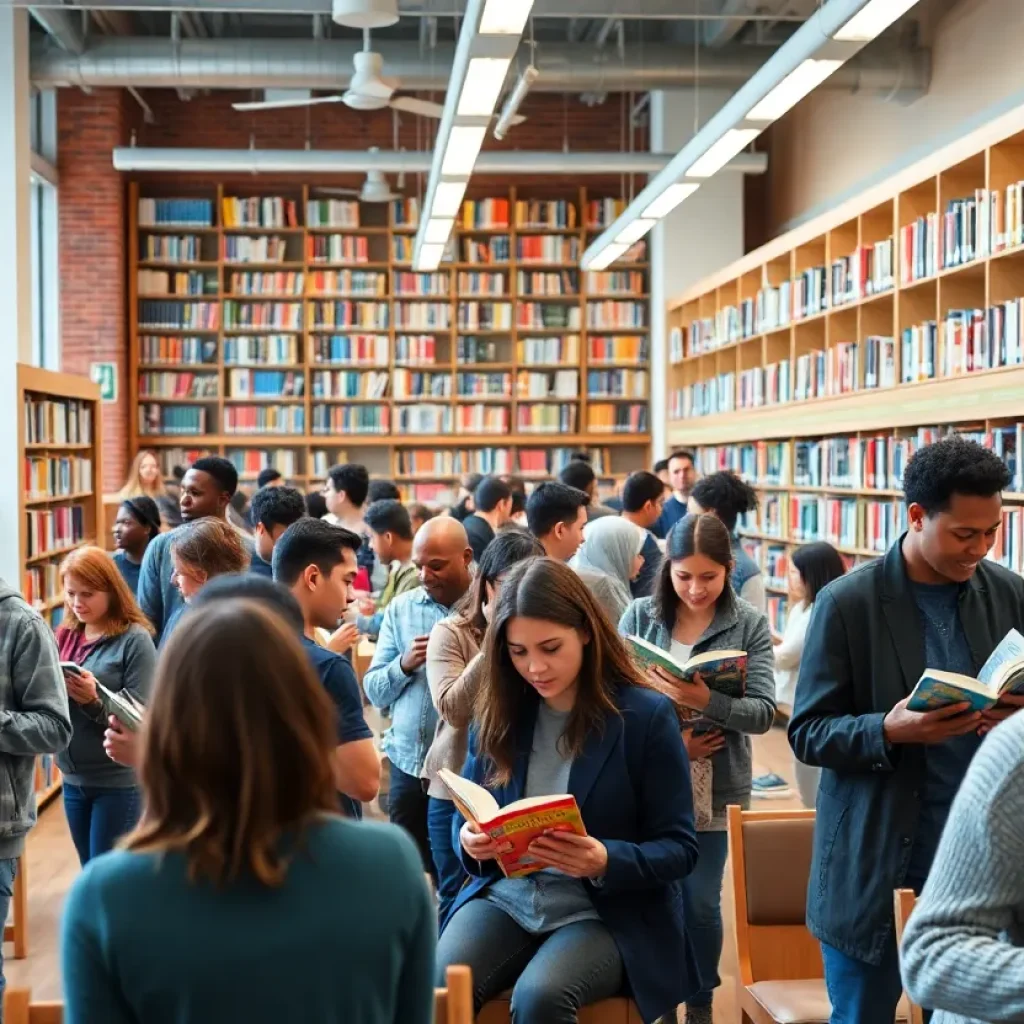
<point>397,679</point>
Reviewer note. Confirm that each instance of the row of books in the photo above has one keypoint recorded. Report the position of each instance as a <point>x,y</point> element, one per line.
<point>485,214</point>
<point>55,476</point>
<point>280,349</point>
<point>421,315</point>
<point>547,418</point>
<point>408,283</point>
<point>175,212</point>
<point>704,398</point>
<point>616,282</point>
<point>415,350</point>
<point>171,248</point>
<point>616,314</point>
<point>351,419</point>
<point>402,248</point>
<point>350,384</point>
<point>847,523</point>
<point>919,249</point>
<point>478,350</point>
<point>196,316</point>
<point>332,213</point>
<point>155,418</point>
<point>867,271</point>
<point>348,313</point>
<point>256,249</point>
<point>484,251</point>
<point>170,458</point>
<point>560,282</point>
<point>618,418</point>
<point>556,384</point>
<point>53,529</point>
<point>259,211</point>
<point>420,462</point>
<point>415,384</point>
<point>249,462</point>
<point>548,351</point>
<point>484,385</point>
<point>240,315</point>
<point>762,462</point>
<point>265,419</point>
<point>42,583</point>
<point>548,316</point>
<point>270,282</point>
<point>480,419</point>
<point>540,213</point>
<point>547,249</point>
<point>620,348</point>
<point>617,383</point>
<point>482,282</point>
<point>339,248</point>
<point>764,385</point>
<point>183,282</point>
<point>266,384</point>
<point>58,421</point>
<point>1008,550</point>
<point>179,385</point>
<point>362,349</point>
<point>405,213</point>
<point>603,212</point>
<point>977,339</point>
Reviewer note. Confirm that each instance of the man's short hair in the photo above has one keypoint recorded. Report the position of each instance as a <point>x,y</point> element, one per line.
<point>221,470</point>
<point>276,506</point>
<point>311,542</point>
<point>682,453</point>
<point>250,586</point>
<point>267,476</point>
<point>578,474</point>
<point>952,465</point>
<point>661,466</point>
<point>388,517</point>
<point>353,479</point>
<point>552,503</point>
<point>640,488</point>
<point>490,492</point>
<point>383,490</point>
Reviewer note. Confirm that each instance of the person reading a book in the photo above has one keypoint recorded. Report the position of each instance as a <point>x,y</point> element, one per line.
<point>695,612</point>
<point>643,496</point>
<point>889,773</point>
<point>106,642</point>
<point>391,536</point>
<point>271,511</point>
<point>317,563</point>
<point>397,676</point>
<point>454,670</point>
<point>243,895</point>
<point>612,548</point>
<point>592,905</point>
<point>728,497</point>
<point>206,491</point>
<point>137,523</point>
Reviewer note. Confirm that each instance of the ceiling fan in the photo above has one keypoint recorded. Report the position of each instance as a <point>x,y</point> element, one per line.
<point>374,190</point>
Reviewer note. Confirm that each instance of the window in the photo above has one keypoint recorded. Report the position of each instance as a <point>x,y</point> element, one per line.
<point>45,267</point>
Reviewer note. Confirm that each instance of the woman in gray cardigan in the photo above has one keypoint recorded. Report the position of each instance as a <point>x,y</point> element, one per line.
<point>694,610</point>
<point>107,636</point>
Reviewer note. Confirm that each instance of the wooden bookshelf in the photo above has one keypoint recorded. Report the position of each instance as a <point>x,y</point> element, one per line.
<point>460,362</point>
<point>60,455</point>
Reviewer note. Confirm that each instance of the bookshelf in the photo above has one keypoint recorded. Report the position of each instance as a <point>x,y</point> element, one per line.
<point>275,325</point>
<point>60,501</point>
<point>815,365</point>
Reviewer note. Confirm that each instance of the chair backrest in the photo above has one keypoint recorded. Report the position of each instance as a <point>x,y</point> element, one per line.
<point>903,904</point>
<point>19,1009</point>
<point>454,1004</point>
<point>771,864</point>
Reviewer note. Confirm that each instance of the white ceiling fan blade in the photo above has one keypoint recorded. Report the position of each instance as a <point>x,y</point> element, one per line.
<point>422,108</point>
<point>285,104</point>
<point>517,119</point>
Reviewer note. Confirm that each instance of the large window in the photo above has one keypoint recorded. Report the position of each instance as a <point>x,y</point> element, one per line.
<point>45,266</point>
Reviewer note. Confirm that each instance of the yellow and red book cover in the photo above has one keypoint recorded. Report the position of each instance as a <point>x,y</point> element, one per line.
<point>515,830</point>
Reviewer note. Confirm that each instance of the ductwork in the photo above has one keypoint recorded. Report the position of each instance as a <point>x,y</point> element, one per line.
<point>305,161</point>
<point>64,27</point>
<point>327,64</point>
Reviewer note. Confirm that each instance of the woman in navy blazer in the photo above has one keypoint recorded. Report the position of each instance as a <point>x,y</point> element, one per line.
<point>562,709</point>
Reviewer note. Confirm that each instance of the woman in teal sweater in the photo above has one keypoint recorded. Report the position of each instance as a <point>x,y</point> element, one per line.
<point>242,895</point>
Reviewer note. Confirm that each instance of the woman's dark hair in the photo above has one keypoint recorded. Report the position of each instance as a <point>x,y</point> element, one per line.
<point>144,511</point>
<point>694,534</point>
<point>543,588</point>
<point>818,564</point>
<point>510,546</point>
<point>316,505</point>
<point>726,495</point>
<point>237,746</point>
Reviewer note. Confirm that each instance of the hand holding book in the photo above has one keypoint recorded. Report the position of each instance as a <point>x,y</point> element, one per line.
<point>690,694</point>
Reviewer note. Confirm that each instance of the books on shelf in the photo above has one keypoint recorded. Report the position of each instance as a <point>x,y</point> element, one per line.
<point>175,212</point>
<point>250,461</point>
<point>617,418</point>
<point>441,495</point>
<point>611,314</point>
<point>259,211</point>
<point>811,376</point>
<point>57,421</point>
<point>486,251</point>
<point>967,228</point>
<point>776,609</point>
<point>773,307</point>
<point>155,418</point>
<point>176,349</point>
<point>708,397</point>
<point>401,249</point>
<point>351,349</point>
<point>617,384</point>
<point>170,458</point>
<point>616,282</point>
<point>243,315</point>
<point>413,384</point>
<point>603,212</point>
<point>760,462</point>
<point>182,282</point>
<point>178,385</point>
<point>53,529</point>
<point>271,282</point>
<point>547,249</point>
<point>351,419</point>
<point>810,293</point>
<point>479,282</point>
<point>554,351</point>
<point>416,350</point>
<point>485,316</point>
<point>552,384</point>
<point>405,213</point>
<point>332,213</point>
<point>546,418</point>
<point>350,384</point>
<point>408,283</point>
<point>254,249</point>
<point>617,348</point>
<point>477,350</point>
<point>485,214</point>
<point>919,353</point>
<point>484,385</point>
<point>423,462</point>
<point>323,460</point>
<point>424,419</point>
<point>751,388</point>
<point>537,282</point>
<point>776,566</point>
<point>172,248</point>
<point>843,368</point>
<point>976,339</point>
<point>265,384</point>
<point>545,316</point>
<point>341,248</point>
<point>42,584</point>
<point>420,316</point>
<point>348,313</point>
<point>371,283</point>
<point>542,213</point>
<point>196,316</point>
<point>867,271</point>
<point>56,476</point>
<point>919,249</point>
<point>879,362</point>
<point>482,419</point>
<point>271,349</point>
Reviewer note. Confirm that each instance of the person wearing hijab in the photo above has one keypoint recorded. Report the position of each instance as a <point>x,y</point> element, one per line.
<point>610,555</point>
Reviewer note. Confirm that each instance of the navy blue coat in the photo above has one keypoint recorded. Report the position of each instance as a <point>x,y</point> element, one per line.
<point>632,784</point>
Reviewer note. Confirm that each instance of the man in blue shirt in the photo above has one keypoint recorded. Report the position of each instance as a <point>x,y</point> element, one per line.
<point>397,678</point>
<point>317,563</point>
<point>643,496</point>
<point>682,476</point>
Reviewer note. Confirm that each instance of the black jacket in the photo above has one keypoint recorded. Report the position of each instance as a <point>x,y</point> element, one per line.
<point>863,654</point>
<point>480,534</point>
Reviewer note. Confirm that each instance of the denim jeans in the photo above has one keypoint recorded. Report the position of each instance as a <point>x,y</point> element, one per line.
<point>862,993</point>
<point>551,976</point>
<point>99,816</point>
<point>8,869</point>
<point>407,806</point>
<point>450,873</point>
<point>702,901</point>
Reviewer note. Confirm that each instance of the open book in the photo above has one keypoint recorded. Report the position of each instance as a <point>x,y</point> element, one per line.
<point>123,706</point>
<point>1002,673</point>
<point>725,671</point>
<point>515,826</point>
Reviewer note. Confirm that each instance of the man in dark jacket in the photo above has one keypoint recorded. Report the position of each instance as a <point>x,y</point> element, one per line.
<point>889,774</point>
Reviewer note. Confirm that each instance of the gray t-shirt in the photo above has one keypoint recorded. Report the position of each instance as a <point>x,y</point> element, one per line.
<point>547,899</point>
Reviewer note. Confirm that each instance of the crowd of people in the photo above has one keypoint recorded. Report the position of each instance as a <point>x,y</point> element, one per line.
<point>226,871</point>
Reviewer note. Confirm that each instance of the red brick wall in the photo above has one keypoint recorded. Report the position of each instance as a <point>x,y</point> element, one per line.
<point>94,217</point>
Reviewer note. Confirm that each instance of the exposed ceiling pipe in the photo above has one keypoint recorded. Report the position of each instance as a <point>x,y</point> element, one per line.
<point>305,161</point>
<point>327,64</point>
<point>64,28</point>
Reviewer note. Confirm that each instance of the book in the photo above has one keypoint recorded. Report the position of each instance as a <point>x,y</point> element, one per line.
<point>1003,673</point>
<point>122,706</point>
<point>516,825</point>
<point>725,671</point>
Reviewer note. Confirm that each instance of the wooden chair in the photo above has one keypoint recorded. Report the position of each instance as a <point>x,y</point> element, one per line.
<point>19,1009</point>
<point>903,902</point>
<point>454,1004</point>
<point>609,1011</point>
<point>17,930</point>
<point>781,975</point>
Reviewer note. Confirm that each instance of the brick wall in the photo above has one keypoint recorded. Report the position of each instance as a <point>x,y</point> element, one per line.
<point>94,218</point>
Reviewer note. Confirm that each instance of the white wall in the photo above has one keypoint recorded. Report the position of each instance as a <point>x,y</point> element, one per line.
<point>834,144</point>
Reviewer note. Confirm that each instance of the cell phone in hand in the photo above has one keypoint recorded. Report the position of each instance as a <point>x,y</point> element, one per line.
<point>69,668</point>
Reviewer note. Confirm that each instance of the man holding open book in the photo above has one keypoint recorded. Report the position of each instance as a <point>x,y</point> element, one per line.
<point>934,603</point>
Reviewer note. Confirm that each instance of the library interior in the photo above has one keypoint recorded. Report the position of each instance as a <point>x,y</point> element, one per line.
<point>511,505</point>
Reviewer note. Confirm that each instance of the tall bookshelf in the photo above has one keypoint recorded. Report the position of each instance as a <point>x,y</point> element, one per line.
<point>817,364</point>
<point>60,502</point>
<point>505,360</point>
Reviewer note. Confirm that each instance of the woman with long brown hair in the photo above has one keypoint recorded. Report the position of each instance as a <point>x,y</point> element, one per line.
<point>243,895</point>
<point>104,639</point>
<point>562,709</point>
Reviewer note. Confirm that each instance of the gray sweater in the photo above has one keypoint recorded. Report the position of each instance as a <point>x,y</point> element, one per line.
<point>737,626</point>
<point>962,951</point>
<point>33,713</point>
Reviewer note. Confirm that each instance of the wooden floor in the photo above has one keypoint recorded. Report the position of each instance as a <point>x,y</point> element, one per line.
<point>53,864</point>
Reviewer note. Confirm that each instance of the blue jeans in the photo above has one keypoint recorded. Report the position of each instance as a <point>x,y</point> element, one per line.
<point>862,993</point>
<point>702,901</point>
<point>450,873</point>
<point>551,975</point>
<point>98,817</point>
<point>8,869</point>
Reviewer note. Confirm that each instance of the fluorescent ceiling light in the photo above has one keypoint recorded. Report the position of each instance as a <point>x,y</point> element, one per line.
<point>634,231</point>
<point>430,256</point>
<point>607,256</point>
<point>438,230</point>
<point>505,17</point>
<point>793,88</point>
<point>448,198</point>
<point>670,199</point>
<point>731,144</point>
<point>463,147</point>
<point>482,86</point>
<point>872,20</point>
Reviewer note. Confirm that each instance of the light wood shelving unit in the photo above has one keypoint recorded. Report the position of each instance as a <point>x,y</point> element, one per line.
<point>502,349</point>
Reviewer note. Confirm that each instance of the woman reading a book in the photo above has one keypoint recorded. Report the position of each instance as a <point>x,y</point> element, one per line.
<point>454,671</point>
<point>694,611</point>
<point>581,898</point>
<point>242,895</point>
<point>106,642</point>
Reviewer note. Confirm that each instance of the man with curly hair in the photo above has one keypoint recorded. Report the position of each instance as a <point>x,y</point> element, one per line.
<point>889,774</point>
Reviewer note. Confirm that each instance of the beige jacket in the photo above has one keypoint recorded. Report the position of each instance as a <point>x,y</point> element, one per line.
<point>454,669</point>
